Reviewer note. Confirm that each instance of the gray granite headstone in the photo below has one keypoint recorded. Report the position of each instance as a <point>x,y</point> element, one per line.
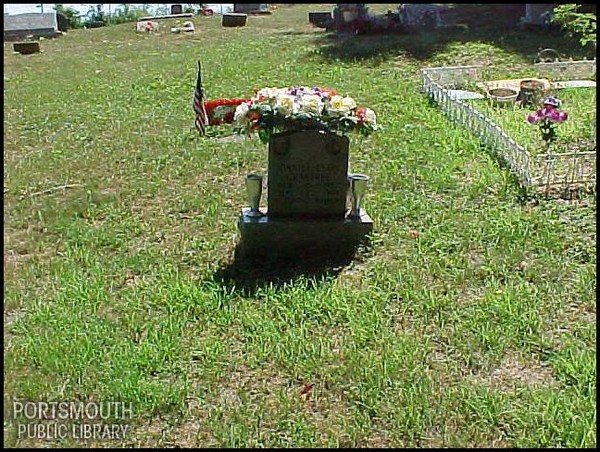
<point>307,175</point>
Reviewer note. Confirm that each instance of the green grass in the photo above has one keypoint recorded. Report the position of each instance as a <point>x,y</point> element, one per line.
<point>578,130</point>
<point>469,322</point>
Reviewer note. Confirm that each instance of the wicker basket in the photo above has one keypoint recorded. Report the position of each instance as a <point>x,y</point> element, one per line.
<point>532,93</point>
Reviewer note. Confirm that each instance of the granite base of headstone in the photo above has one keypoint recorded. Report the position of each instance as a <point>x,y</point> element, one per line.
<point>307,212</point>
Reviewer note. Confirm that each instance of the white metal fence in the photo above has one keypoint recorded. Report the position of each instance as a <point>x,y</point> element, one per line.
<point>547,173</point>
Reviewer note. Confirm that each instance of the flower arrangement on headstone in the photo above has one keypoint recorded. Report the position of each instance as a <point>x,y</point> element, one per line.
<point>274,110</point>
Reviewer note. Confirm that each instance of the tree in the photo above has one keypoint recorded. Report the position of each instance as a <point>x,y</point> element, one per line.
<point>128,13</point>
<point>72,15</point>
<point>162,10</point>
<point>95,17</point>
<point>576,24</point>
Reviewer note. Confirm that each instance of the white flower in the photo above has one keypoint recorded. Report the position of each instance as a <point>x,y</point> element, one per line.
<point>341,105</point>
<point>241,113</point>
<point>311,103</point>
<point>270,93</point>
<point>285,105</point>
<point>369,116</point>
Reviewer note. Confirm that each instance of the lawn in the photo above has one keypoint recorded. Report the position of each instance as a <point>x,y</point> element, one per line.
<point>578,132</point>
<point>469,322</point>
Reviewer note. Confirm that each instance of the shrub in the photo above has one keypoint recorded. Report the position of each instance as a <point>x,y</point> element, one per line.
<point>72,15</point>
<point>577,24</point>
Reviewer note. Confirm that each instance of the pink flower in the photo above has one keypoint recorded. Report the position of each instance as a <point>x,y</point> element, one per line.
<point>553,115</point>
<point>548,112</point>
<point>557,116</point>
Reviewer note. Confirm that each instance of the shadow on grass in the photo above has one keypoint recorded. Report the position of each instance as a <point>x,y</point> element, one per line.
<point>294,33</point>
<point>528,195</point>
<point>524,194</point>
<point>248,274</point>
<point>496,24</point>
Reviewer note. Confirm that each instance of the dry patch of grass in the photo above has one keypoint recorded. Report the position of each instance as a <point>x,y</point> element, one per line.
<point>512,372</point>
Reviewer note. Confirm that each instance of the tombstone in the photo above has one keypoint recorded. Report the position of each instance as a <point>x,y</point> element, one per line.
<point>234,20</point>
<point>420,16</point>
<point>320,19</point>
<point>532,92</point>
<point>307,192</point>
<point>538,13</point>
<point>26,48</point>
<point>251,8</point>
<point>177,9</point>
<point>308,175</point>
<point>20,26</point>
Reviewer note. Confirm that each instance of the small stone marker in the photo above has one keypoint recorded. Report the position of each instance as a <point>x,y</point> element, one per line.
<point>320,19</point>
<point>234,20</point>
<point>27,48</point>
<point>308,175</point>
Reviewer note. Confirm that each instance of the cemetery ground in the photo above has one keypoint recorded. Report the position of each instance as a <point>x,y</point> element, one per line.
<point>469,321</point>
<point>579,130</point>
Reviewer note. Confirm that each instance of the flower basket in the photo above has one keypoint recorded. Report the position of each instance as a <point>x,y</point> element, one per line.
<point>532,92</point>
<point>503,97</point>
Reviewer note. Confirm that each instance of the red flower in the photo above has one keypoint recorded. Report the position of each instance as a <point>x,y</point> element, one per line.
<point>254,116</point>
<point>360,114</point>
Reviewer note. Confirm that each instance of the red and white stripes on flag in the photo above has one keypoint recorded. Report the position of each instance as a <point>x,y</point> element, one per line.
<point>201,120</point>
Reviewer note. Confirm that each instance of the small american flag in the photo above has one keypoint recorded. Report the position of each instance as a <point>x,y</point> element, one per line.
<point>201,120</point>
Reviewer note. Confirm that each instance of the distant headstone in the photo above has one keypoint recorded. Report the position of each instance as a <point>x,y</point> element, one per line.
<point>26,48</point>
<point>234,20</point>
<point>308,175</point>
<point>251,8</point>
<point>420,16</point>
<point>19,26</point>
<point>320,19</point>
<point>177,9</point>
<point>539,13</point>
